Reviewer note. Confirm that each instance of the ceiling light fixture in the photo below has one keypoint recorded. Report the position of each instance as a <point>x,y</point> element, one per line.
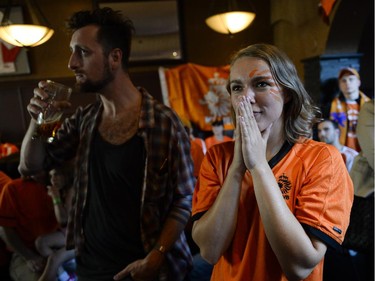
<point>25,35</point>
<point>230,16</point>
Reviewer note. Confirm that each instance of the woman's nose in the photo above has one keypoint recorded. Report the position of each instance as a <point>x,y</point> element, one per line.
<point>250,95</point>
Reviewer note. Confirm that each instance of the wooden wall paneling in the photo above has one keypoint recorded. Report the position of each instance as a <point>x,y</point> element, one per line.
<point>11,114</point>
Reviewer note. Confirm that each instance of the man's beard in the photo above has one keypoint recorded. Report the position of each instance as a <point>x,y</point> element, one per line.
<point>96,87</point>
<point>327,141</point>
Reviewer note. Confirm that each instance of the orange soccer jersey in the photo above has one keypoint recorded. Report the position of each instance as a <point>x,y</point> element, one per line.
<point>316,187</point>
<point>3,180</point>
<point>197,155</point>
<point>27,207</point>
<point>210,141</point>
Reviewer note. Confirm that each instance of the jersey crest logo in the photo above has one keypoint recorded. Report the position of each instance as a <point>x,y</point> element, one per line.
<point>285,185</point>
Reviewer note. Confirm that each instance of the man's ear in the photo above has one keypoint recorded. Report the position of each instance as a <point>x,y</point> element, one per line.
<point>338,132</point>
<point>115,57</point>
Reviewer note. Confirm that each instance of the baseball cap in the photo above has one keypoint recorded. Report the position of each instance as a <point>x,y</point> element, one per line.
<point>348,70</point>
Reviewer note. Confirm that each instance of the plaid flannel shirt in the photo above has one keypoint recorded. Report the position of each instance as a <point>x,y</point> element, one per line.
<point>168,176</point>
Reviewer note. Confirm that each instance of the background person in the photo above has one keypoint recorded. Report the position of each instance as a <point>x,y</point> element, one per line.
<point>345,108</point>
<point>4,252</point>
<point>4,178</point>
<point>218,134</point>
<point>329,132</point>
<point>134,173</point>
<point>197,148</point>
<point>355,259</point>
<point>52,245</point>
<point>266,206</point>
<point>26,212</point>
<point>362,175</point>
<point>363,170</point>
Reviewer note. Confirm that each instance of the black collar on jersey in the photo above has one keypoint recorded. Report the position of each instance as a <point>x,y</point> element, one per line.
<point>280,155</point>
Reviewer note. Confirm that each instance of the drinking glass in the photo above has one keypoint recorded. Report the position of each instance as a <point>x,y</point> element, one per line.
<point>49,120</point>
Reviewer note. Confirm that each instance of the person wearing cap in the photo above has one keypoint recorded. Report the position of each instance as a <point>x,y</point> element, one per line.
<point>345,108</point>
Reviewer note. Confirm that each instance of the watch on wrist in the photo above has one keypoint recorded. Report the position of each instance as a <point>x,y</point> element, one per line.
<point>160,248</point>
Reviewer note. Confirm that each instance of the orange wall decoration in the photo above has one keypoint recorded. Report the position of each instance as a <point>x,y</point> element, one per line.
<point>197,93</point>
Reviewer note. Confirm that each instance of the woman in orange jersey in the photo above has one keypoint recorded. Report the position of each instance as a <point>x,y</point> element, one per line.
<point>267,205</point>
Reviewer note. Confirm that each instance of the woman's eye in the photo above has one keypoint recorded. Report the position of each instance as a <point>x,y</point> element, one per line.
<point>235,88</point>
<point>261,84</point>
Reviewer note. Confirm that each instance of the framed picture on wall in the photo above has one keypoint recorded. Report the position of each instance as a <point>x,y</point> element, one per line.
<point>157,23</point>
<point>13,59</point>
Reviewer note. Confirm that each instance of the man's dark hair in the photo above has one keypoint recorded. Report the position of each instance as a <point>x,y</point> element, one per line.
<point>333,122</point>
<point>115,30</point>
<point>218,122</point>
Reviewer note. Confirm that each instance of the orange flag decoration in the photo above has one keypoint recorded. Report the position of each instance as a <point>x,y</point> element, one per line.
<point>327,6</point>
<point>7,149</point>
<point>197,93</point>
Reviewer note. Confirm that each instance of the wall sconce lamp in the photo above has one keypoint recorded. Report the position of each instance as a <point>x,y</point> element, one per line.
<point>25,35</point>
<point>230,16</point>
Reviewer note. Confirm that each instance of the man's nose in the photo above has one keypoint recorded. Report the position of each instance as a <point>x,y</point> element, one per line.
<point>72,63</point>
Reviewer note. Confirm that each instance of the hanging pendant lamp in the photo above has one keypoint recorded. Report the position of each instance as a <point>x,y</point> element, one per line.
<point>230,16</point>
<point>26,35</point>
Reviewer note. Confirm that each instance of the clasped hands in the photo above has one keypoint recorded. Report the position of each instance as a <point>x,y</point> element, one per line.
<point>250,142</point>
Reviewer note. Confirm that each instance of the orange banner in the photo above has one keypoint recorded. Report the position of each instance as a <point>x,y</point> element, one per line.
<point>327,6</point>
<point>197,93</point>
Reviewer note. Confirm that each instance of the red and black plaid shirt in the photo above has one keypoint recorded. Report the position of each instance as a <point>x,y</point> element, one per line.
<point>168,183</point>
